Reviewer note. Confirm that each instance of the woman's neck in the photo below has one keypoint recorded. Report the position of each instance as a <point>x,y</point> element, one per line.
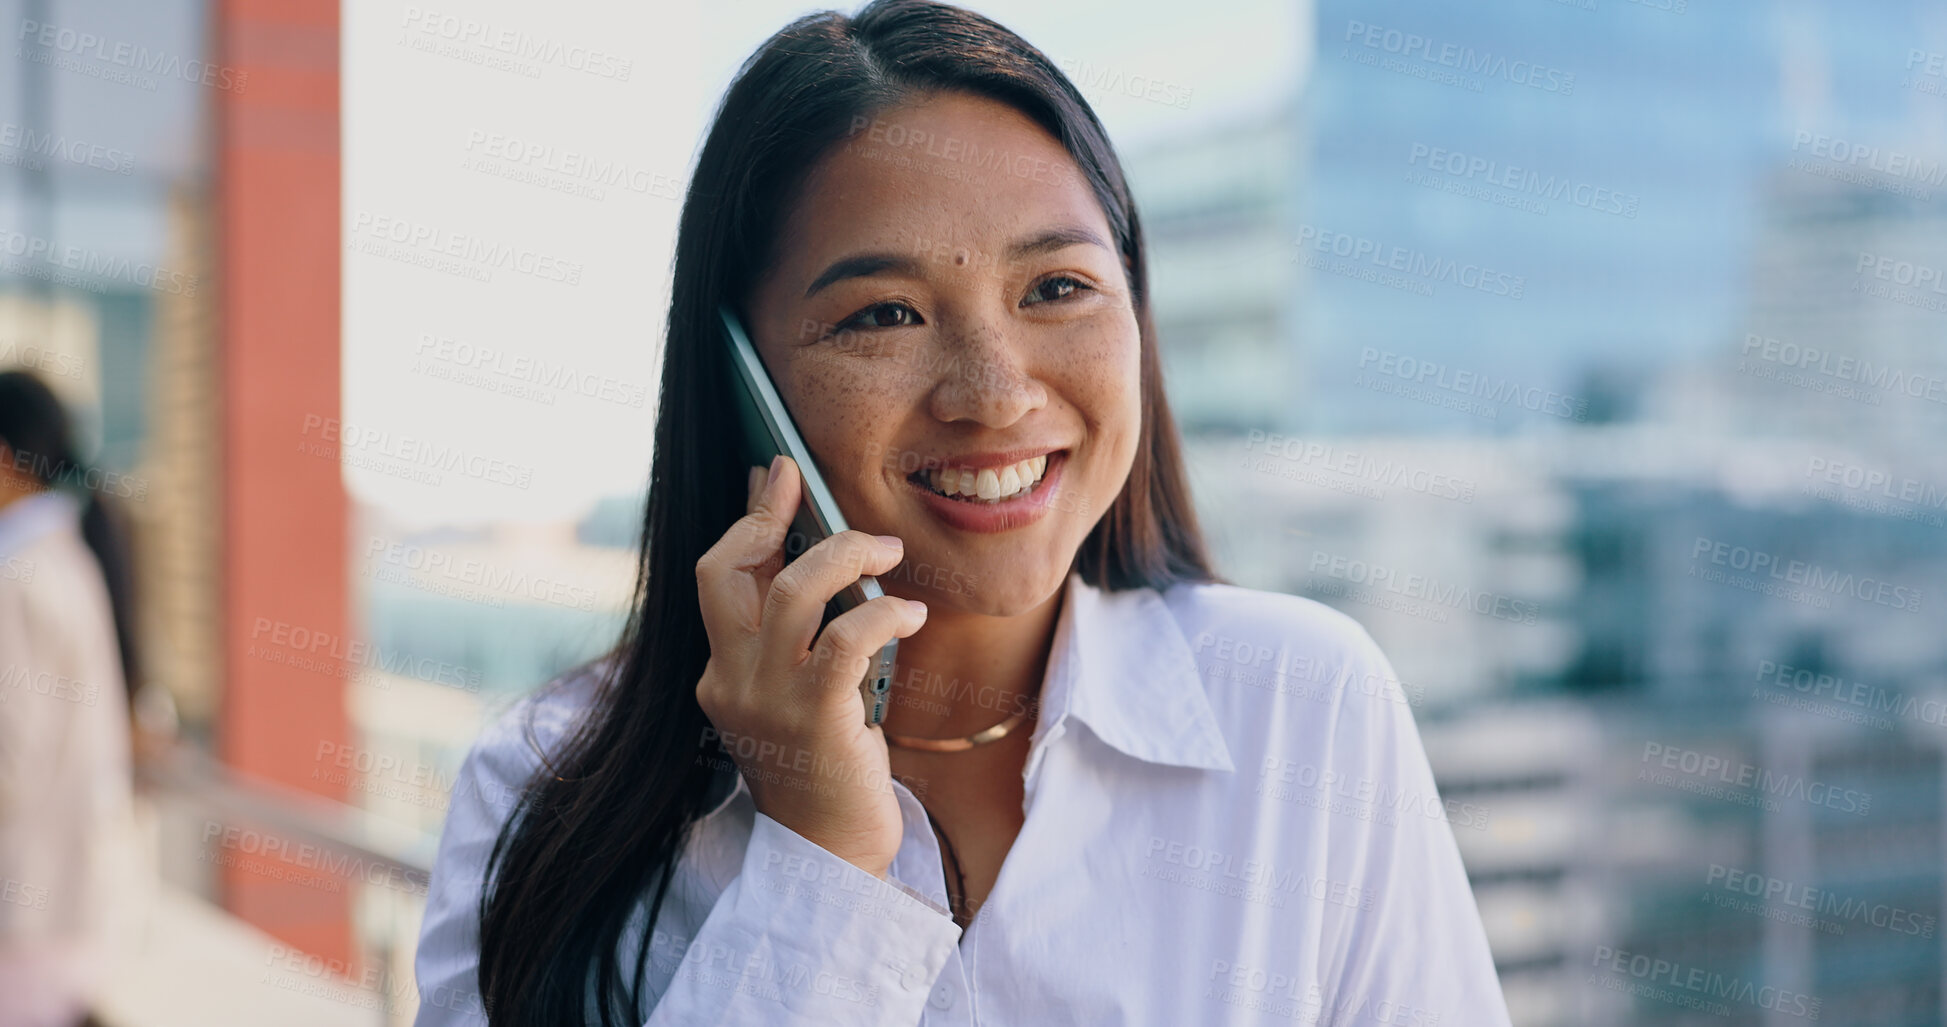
<point>964,672</point>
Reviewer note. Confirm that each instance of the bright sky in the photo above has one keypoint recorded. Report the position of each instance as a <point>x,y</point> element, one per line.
<point>501,332</point>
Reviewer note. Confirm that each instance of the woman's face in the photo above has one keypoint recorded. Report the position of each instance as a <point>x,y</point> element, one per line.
<point>948,300</point>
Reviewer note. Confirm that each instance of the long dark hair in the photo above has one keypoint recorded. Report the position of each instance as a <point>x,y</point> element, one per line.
<point>40,439</point>
<point>603,823</point>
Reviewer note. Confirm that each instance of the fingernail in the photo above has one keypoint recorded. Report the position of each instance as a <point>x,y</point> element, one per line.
<point>891,541</point>
<point>776,462</point>
<point>918,607</point>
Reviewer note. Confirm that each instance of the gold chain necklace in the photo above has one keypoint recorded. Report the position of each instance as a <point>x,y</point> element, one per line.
<point>980,737</point>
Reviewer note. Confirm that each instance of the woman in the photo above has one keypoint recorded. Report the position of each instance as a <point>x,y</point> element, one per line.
<point>65,789</point>
<point>1079,808</point>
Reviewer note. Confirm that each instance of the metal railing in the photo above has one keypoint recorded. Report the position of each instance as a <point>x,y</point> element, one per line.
<point>387,866</point>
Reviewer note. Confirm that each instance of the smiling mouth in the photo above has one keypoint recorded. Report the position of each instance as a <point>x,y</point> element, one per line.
<point>989,486</point>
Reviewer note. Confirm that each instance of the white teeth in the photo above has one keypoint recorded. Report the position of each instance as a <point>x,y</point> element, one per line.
<point>1010,481</point>
<point>990,484</point>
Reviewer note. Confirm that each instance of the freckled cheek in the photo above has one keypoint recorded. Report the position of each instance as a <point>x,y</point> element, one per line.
<point>1104,378</point>
<point>846,417</point>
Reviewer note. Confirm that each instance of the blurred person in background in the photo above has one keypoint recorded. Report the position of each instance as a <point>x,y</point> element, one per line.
<point>65,785</point>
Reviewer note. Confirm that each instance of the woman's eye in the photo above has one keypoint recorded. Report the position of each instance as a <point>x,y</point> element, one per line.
<point>1058,287</point>
<point>883,315</point>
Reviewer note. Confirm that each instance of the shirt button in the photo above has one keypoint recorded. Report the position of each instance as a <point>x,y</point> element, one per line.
<point>943,997</point>
<point>914,977</point>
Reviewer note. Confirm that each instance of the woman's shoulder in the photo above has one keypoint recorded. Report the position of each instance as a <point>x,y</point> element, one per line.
<point>44,561</point>
<point>1247,628</point>
<point>54,609</point>
<point>1291,668</point>
<point>530,731</point>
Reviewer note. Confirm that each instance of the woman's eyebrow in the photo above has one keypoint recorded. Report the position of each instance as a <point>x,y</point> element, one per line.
<point>1055,239</point>
<point>862,265</point>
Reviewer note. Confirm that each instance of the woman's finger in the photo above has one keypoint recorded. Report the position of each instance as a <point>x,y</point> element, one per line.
<point>734,575</point>
<point>848,644</point>
<point>795,606</point>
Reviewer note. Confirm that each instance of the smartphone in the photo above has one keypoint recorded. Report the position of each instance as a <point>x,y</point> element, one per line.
<point>768,430</point>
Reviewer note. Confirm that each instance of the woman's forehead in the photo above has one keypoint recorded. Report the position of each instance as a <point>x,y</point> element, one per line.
<point>954,170</point>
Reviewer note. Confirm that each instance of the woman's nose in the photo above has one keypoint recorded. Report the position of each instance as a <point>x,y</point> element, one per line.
<point>986,379</point>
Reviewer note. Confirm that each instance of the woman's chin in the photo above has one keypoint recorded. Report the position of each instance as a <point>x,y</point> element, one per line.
<point>1000,591</point>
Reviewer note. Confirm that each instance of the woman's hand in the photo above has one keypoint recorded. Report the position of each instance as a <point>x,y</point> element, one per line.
<point>790,714</point>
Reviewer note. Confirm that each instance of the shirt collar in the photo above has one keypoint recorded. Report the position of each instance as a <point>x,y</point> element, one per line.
<point>25,520</point>
<point>1121,665</point>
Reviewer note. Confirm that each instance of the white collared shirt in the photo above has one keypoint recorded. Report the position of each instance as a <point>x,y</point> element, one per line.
<point>1229,820</point>
<point>65,790</point>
